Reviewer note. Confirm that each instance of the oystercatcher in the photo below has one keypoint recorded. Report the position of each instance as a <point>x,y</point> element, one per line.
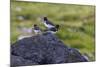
<point>36,29</point>
<point>50,26</point>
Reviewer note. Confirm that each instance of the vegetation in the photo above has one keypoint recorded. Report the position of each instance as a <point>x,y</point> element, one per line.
<point>77,22</point>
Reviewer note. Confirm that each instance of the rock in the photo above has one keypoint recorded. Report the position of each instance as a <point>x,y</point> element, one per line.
<point>17,60</point>
<point>41,49</point>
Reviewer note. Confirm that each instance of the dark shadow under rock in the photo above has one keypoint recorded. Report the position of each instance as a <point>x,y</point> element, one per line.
<point>41,49</point>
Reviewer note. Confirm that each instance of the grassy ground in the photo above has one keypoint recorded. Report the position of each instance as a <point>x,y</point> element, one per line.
<point>77,23</point>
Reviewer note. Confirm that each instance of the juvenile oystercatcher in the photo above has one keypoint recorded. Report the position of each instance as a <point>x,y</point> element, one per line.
<point>50,26</point>
<point>36,29</point>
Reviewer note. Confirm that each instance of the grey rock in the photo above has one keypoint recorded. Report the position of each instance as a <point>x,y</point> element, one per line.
<point>42,49</point>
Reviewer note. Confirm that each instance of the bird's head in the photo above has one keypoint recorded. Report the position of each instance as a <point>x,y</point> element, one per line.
<point>57,27</point>
<point>45,19</point>
<point>35,25</point>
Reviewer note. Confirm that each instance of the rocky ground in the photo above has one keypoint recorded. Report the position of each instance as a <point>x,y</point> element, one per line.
<point>42,49</point>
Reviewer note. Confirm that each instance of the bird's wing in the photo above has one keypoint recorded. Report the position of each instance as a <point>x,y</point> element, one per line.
<point>49,22</point>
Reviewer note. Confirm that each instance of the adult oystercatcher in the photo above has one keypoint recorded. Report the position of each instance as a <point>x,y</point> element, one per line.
<point>50,26</point>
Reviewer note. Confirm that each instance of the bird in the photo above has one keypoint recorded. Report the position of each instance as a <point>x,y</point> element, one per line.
<point>50,26</point>
<point>36,29</point>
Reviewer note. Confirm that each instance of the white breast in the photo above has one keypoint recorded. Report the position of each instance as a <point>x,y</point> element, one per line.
<point>37,31</point>
<point>48,25</point>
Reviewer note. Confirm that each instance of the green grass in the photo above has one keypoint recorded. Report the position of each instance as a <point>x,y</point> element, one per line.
<point>77,23</point>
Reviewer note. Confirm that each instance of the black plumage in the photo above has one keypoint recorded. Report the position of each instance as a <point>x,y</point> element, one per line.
<point>48,22</point>
<point>50,26</point>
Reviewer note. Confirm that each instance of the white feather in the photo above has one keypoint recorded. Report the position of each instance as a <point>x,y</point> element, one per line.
<point>48,25</point>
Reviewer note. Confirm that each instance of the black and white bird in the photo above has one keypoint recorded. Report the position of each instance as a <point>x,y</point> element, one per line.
<point>36,29</point>
<point>50,26</point>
